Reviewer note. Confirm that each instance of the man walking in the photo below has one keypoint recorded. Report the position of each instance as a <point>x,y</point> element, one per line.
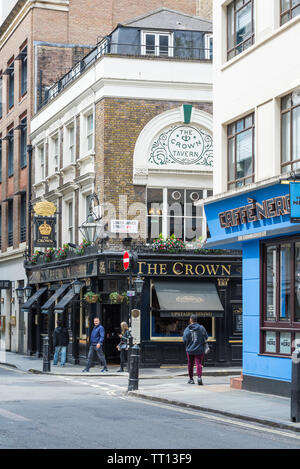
<point>60,343</point>
<point>96,344</point>
<point>194,337</point>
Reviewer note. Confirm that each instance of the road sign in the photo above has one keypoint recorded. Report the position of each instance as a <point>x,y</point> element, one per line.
<point>126,260</point>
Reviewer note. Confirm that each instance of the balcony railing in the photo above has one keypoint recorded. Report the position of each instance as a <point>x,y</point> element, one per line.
<point>23,234</point>
<point>10,238</point>
<point>123,49</point>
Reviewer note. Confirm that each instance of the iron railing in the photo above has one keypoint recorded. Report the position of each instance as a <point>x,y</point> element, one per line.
<point>124,49</point>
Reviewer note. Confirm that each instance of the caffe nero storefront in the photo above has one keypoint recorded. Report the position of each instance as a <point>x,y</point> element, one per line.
<point>175,286</point>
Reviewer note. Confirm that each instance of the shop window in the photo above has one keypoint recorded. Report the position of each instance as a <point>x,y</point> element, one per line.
<point>288,9</point>
<point>280,297</point>
<point>157,44</point>
<point>290,132</point>
<point>240,137</point>
<point>240,26</point>
<point>173,212</point>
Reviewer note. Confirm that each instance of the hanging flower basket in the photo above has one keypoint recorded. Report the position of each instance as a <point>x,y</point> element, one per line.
<point>117,298</point>
<point>91,297</point>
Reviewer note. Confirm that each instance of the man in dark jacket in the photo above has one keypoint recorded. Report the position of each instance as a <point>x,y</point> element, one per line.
<point>96,345</point>
<point>194,337</point>
<point>60,343</point>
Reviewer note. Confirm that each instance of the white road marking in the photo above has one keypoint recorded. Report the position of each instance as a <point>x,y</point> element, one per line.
<point>11,416</point>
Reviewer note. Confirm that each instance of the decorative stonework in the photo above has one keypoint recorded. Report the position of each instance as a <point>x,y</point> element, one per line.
<point>184,145</point>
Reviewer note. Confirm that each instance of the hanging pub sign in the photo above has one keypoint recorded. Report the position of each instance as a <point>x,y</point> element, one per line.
<point>44,232</point>
<point>295,201</point>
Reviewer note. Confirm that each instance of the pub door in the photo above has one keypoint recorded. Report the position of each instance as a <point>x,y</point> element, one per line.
<point>111,320</point>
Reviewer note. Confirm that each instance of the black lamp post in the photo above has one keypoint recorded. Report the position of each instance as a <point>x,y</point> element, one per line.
<point>20,293</point>
<point>28,291</point>
<point>138,285</point>
<point>76,286</point>
<point>91,229</point>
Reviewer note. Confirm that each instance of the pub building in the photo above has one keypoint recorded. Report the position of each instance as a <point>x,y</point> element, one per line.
<point>174,287</point>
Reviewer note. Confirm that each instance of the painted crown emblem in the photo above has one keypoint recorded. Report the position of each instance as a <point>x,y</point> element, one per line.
<point>45,229</point>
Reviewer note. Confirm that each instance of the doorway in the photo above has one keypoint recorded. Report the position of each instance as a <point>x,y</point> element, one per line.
<point>111,319</point>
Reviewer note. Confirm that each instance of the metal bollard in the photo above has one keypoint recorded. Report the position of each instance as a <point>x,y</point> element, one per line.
<point>295,387</point>
<point>46,354</point>
<point>133,383</point>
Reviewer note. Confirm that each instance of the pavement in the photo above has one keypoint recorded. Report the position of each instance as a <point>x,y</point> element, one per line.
<point>169,386</point>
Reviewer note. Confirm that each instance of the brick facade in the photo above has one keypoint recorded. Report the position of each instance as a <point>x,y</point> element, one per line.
<point>118,125</point>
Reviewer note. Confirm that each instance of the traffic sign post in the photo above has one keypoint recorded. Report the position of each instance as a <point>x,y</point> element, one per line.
<point>126,260</point>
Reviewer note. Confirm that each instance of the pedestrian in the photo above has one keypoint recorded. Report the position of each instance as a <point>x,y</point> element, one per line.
<point>124,344</point>
<point>60,343</point>
<point>96,346</point>
<point>194,337</point>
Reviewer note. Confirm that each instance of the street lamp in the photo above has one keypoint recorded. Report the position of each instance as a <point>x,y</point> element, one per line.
<point>28,291</point>
<point>76,286</point>
<point>138,284</point>
<point>91,229</point>
<point>20,293</point>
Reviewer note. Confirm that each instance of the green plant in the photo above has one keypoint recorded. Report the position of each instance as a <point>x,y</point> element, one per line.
<point>116,297</point>
<point>171,244</point>
<point>81,248</point>
<point>48,254</point>
<point>34,258</point>
<point>62,253</point>
<point>92,297</point>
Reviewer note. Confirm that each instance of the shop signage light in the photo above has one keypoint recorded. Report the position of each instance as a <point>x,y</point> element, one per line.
<point>255,211</point>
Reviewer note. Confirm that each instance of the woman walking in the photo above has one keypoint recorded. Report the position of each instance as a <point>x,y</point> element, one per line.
<point>123,346</point>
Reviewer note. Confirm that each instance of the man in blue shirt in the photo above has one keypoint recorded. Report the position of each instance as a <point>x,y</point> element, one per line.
<point>96,344</point>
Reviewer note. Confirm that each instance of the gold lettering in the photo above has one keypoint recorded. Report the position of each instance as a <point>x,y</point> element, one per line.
<point>174,268</point>
<point>212,269</point>
<point>154,267</point>
<point>141,266</point>
<point>227,269</point>
<point>188,269</point>
<point>163,269</point>
<point>202,267</point>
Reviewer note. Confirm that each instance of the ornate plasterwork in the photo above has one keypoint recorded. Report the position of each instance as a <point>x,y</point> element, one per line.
<point>168,144</point>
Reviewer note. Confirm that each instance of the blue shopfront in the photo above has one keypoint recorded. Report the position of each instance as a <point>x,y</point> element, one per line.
<point>260,223</point>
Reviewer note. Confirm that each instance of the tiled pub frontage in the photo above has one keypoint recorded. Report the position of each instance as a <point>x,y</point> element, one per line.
<point>175,285</point>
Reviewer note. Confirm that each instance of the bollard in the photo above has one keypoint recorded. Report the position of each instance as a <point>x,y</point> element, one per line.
<point>295,387</point>
<point>46,354</point>
<point>133,382</point>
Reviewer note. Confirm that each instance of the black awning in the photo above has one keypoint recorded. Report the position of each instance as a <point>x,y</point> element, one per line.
<point>29,303</point>
<point>188,296</point>
<point>45,308</point>
<point>59,308</point>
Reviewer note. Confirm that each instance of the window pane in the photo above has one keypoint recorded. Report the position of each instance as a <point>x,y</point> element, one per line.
<point>270,345</point>
<point>285,4</point>
<point>285,140</point>
<point>285,343</point>
<point>150,44</point>
<point>230,26</point>
<point>243,23</point>
<point>296,12</point>
<point>154,227</point>
<point>296,133</point>
<point>244,154</point>
<point>286,102</point>
<point>163,45</point>
<point>285,282</point>
<point>231,161</point>
<point>271,283</point>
